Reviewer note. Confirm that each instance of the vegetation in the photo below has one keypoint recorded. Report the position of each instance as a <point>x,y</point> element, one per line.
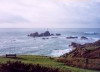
<point>84,56</point>
<point>43,61</point>
<point>18,66</point>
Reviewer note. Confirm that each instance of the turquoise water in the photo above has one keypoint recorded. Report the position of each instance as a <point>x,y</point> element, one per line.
<point>17,41</point>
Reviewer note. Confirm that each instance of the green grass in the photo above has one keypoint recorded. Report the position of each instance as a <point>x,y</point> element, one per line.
<point>45,61</point>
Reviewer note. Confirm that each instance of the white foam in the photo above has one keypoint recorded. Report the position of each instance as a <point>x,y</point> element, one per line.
<point>57,53</point>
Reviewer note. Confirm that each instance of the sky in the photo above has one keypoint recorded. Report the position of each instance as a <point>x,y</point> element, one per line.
<point>49,13</point>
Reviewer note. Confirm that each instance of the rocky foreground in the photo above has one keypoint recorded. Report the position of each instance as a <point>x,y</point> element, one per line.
<point>84,56</point>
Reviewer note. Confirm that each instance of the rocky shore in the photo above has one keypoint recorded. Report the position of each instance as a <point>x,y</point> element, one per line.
<point>84,56</point>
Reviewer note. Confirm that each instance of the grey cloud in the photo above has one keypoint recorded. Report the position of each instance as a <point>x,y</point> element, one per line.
<point>12,19</point>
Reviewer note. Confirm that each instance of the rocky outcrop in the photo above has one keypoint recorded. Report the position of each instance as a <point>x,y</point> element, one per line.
<point>76,45</point>
<point>45,34</point>
<point>36,34</point>
<point>88,50</point>
<point>83,56</point>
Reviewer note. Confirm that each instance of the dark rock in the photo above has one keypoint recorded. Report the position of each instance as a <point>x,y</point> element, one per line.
<point>83,37</point>
<point>47,33</point>
<point>52,34</point>
<point>88,50</point>
<point>71,37</point>
<point>76,45</point>
<point>45,38</point>
<point>57,34</point>
<point>36,34</point>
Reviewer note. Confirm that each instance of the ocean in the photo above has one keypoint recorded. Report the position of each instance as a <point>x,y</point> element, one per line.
<point>16,41</point>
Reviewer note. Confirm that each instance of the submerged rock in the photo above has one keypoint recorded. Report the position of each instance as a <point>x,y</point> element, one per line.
<point>83,37</point>
<point>57,34</point>
<point>45,38</point>
<point>71,37</point>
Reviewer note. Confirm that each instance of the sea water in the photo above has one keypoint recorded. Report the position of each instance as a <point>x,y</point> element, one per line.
<point>16,41</point>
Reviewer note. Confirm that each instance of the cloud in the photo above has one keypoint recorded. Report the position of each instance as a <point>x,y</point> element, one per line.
<point>49,13</point>
<point>4,18</point>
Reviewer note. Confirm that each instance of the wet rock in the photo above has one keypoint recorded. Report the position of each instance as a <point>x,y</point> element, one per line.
<point>83,37</point>
<point>47,33</point>
<point>57,34</point>
<point>36,34</point>
<point>76,45</point>
<point>52,34</point>
<point>71,37</point>
<point>45,38</point>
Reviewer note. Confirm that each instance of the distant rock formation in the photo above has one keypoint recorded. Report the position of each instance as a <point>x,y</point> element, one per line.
<point>46,33</point>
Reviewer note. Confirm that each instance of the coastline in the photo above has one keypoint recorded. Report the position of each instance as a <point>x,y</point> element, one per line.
<point>85,56</point>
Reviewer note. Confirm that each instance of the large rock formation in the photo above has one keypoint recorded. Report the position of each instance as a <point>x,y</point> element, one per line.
<point>46,33</point>
<point>36,34</point>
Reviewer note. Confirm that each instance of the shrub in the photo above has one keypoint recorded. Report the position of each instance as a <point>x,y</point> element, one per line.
<point>18,66</point>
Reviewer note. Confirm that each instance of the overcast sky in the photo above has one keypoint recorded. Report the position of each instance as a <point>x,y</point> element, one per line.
<point>49,13</point>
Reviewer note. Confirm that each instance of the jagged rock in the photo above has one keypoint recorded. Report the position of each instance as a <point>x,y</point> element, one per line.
<point>75,45</point>
<point>88,50</point>
<point>47,33</point>
<point>36,34</point>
